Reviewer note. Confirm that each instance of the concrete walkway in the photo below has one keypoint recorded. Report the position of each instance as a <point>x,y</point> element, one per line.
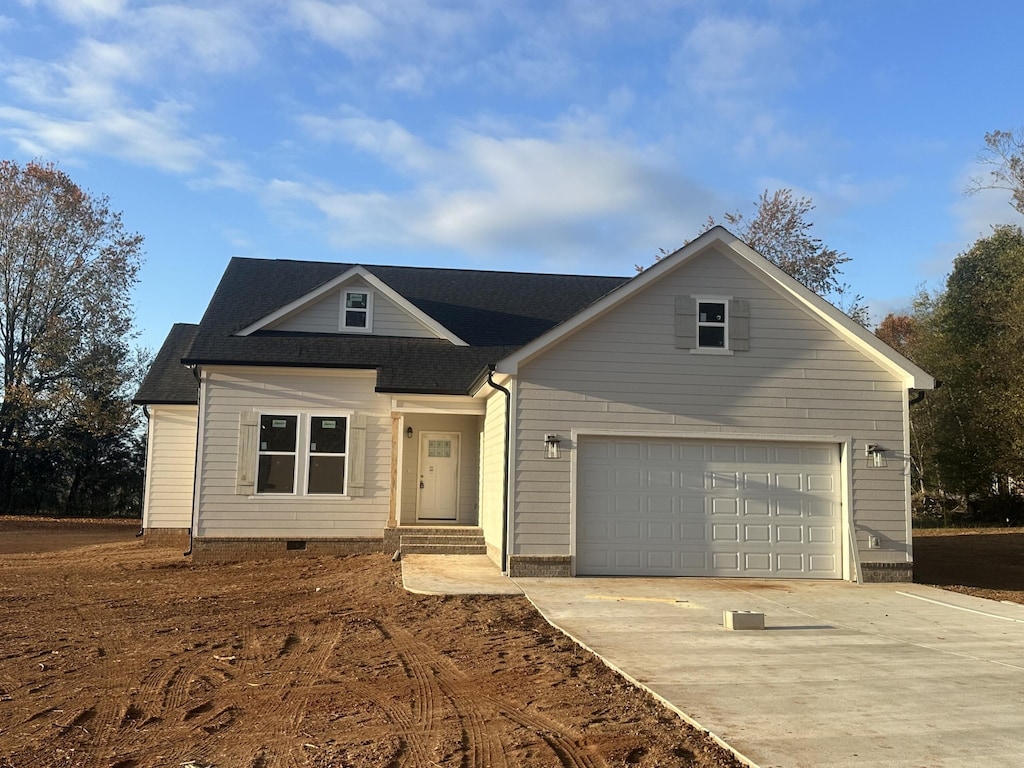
<point>895,675</point>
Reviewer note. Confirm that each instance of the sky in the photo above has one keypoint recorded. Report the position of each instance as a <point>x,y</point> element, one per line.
<point>579,136</point>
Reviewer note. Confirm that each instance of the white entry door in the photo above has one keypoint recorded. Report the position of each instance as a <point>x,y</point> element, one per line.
<point>438,496</point>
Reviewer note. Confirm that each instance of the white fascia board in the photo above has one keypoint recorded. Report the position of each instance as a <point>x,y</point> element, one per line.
<point>377,284</point>
<point>912,376</point>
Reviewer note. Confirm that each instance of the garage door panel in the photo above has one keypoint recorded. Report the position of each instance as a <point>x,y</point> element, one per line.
<point>708,508</point>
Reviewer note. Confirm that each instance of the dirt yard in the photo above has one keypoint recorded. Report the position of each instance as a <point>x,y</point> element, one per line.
<point>115,655</point>
<point>985,562</point>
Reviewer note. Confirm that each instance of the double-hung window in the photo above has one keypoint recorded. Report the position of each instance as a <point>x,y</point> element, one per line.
<point>327,451</point>
<point>305,456</point>
<point>711,324</point>
<point>277,454</point>
<point>355,311</point>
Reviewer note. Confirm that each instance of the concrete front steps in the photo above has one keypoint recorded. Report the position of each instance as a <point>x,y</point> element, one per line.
<point>440,540</point>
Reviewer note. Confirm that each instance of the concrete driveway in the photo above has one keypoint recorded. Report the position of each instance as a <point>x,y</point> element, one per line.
<point>843,675</point>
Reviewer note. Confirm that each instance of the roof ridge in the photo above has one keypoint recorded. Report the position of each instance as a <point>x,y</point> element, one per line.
<point>408,267</point>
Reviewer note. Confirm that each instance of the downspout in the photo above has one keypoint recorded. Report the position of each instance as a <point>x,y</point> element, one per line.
<point>145,412</point>
<point>505,478</point>
<point>199,389</point>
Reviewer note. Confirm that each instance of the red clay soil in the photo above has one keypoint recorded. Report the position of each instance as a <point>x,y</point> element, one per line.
<point>986,562</point>
<point>117,655</point>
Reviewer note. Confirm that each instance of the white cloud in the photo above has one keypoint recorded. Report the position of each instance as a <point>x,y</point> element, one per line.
<point>82,11</point>
<point>591,200</point>
<point>346,27</point>
<point>723,56</point>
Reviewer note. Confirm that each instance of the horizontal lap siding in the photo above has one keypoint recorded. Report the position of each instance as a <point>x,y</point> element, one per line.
<point>223,512</point>
<point>171,466</point>
<point>324,316</point>
<point>492,471</point>
<point>623,372</point>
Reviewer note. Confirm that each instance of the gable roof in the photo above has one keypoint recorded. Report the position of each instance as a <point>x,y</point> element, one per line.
<point>168,382</point>
<point>909,373</point>
<point>493,313</point>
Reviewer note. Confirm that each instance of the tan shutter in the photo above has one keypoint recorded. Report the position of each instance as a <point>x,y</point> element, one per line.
<point>686,322</point>
<point>248,429</point>
<point>739,325</point>
<point>356,454</point>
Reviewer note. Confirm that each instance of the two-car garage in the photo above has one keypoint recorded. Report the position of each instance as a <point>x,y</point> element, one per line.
<point>685,507</point>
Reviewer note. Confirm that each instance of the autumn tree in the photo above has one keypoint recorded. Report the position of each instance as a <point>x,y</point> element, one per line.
<point>780,231</point>
<point>67,268</point>
<point>1003,155</point>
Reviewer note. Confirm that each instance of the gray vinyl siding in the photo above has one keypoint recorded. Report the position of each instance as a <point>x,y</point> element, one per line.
<point>492,471</point>
<point>170,466</point>
<point>468,429</point>
<point>324,316</point>
<point>623,372</point>
<point>224,512</point>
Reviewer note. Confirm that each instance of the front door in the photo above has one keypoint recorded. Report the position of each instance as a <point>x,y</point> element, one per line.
<point>438,497</point>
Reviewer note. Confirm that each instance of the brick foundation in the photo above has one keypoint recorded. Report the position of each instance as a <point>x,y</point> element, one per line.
<point>545,566</point>
<point>166,537</point>
<point>211,550</point>
<point>886,573</point>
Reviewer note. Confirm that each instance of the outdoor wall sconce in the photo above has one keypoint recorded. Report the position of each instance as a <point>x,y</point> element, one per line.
<point>408,432</point>
<point>875,454</point>
<point>551,442</point>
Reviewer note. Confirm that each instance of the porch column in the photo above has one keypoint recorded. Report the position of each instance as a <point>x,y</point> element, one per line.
<point>396,445</point>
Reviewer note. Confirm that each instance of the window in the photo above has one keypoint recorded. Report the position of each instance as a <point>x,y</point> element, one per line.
<point>711,324</point>
<point>327,451</point>
<point>276,471</point>
<point>355,311</point>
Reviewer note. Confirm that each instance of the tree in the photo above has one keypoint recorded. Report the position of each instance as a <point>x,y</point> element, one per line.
<point>67,268</point>
<point>968,435</point>
<point>1004,156</point>
<point>779,231</point>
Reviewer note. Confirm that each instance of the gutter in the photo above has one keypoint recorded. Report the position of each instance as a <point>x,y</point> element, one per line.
<point>505,474</point>
<point>145,412</point>
<point>199,389</point>
<point>921,393</point>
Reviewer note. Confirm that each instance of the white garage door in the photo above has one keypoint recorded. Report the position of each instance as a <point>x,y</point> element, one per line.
<point>708,508</point>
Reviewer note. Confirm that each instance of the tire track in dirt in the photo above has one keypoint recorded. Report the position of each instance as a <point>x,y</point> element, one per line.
<point>423,663</point>
<point>109,670</point>
<point>451,683</point>
<point>273,712</point>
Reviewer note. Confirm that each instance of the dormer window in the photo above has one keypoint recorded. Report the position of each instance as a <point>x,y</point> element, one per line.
<point>355,311</point>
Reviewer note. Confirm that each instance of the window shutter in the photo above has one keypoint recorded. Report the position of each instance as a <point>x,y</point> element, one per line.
<point>686,322</point>
<point>356,454</point>
<point>739,325</point>
<point>247,435</point>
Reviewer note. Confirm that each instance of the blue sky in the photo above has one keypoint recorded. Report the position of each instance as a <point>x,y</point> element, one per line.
<point>576,136</point>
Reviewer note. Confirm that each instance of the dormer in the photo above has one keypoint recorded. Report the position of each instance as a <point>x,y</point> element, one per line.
<point>355,302</point>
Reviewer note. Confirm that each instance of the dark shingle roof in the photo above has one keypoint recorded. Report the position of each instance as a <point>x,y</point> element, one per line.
<point>494,312</point>
<point>168,382</point>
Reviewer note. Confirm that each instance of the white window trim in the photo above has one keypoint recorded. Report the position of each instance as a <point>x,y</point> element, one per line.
<point>344,309</point>
<point>347,416</point>
<point>260,452</point>
<point>697,348</point>
<point>302,454</point>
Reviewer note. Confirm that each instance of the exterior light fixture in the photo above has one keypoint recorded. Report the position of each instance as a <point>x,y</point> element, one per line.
<point>875,454</point>
<point>551,442</point>
<point>408,432</point>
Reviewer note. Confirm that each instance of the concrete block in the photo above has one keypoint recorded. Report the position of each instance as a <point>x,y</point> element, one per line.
<point>742,620</point>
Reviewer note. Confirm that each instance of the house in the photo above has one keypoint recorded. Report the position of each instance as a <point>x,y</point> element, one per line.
<point>709,416</point>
